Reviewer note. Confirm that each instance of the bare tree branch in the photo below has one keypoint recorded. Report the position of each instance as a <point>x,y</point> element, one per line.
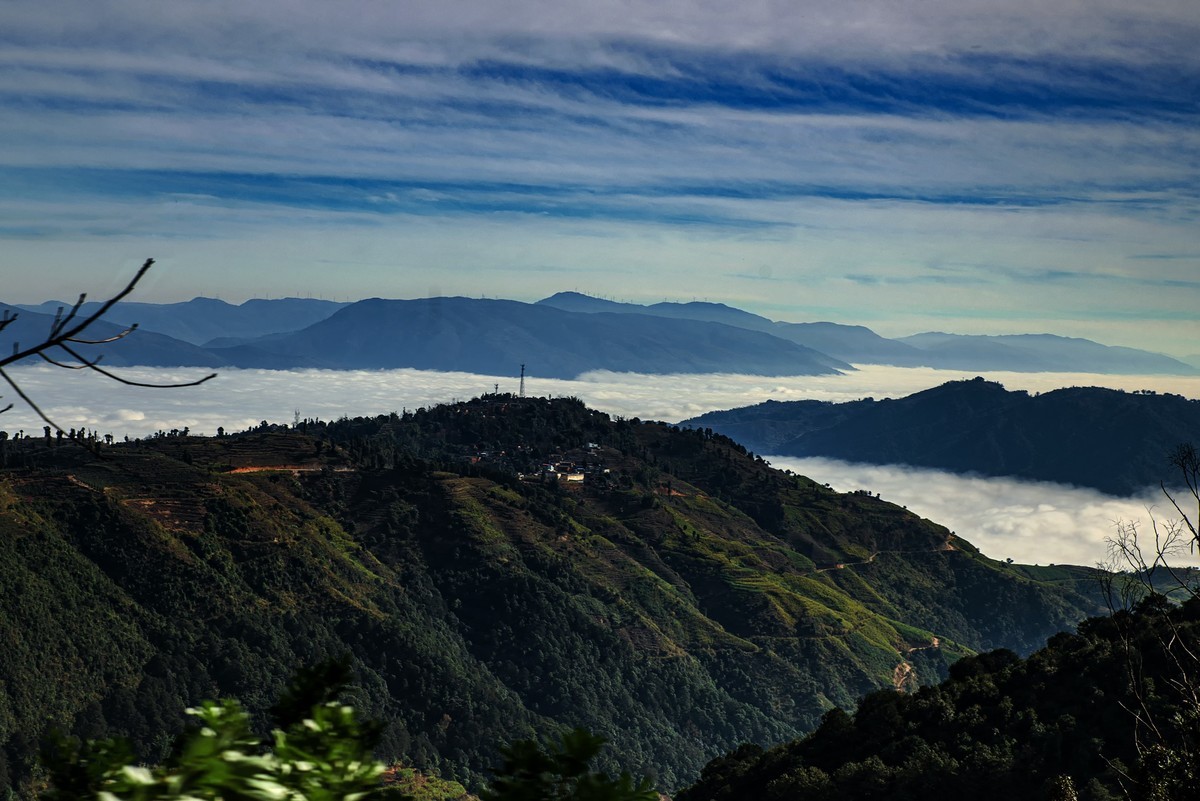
<point>63,365</point>
<point>20,392</point>
<point>113,338</point>
<point>93,366</point>
<point>65,331</point>
<point>1175,542</point>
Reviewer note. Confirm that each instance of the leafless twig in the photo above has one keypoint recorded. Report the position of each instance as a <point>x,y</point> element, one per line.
<point>66,332</point>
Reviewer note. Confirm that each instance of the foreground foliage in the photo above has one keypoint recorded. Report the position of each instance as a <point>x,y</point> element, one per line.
<point>325,757</point>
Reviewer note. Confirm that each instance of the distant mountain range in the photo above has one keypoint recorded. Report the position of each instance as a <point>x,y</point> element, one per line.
<point>851,343</point>
<point>201,320</point>
<point>1116,442</point>
<point>143,347</point>
<point>561,336</point>
<point>860,345</point>
<point>495,336</point>
<point>1038,352</point>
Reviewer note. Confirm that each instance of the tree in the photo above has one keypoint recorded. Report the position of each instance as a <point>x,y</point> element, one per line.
<point>1145,572</point>
<point>1186,460</point>
<point>59,346</point>
<point>1155,562</point>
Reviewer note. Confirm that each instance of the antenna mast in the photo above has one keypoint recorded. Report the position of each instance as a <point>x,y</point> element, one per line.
<point>522,381</point>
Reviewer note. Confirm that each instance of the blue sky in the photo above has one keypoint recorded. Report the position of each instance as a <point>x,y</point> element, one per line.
<point>978,167</point>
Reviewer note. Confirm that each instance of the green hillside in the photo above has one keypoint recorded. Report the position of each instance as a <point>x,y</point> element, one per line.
<point>1108,713</point>
<point>1117,442</point>
<point>680,599</point>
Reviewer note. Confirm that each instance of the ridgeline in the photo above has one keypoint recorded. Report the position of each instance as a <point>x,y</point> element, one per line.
<point>1117,442</point>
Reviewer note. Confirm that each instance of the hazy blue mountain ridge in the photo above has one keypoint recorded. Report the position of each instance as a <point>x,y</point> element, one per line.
<point>495,337</point>
<point>141,347</point>
<point>854,343</point>
<point>1041,352</point>
<point>565,335</point>
<point>201,320</point>
<point>851,343</point>
<point>860,345</point>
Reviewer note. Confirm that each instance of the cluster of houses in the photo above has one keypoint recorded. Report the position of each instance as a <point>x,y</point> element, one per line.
<point>573,467</point>
<point>559,468</point>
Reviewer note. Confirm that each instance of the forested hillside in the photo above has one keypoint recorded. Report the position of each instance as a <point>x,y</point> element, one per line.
<point>1117,442</point>
<point>1108,713</point>
<point>661,587</point>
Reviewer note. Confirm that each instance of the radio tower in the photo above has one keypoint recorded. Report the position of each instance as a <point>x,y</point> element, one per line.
<point>522,381</point>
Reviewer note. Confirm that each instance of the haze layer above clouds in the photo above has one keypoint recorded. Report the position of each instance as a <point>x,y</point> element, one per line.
<point>996,167</point>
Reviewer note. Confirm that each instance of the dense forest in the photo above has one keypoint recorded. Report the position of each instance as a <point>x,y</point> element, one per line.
<point>1116,442</point>
<point>1109,712</point>
<point>495,569</point>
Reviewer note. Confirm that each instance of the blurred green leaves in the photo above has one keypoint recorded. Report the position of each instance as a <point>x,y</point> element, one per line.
<point>323,757</point>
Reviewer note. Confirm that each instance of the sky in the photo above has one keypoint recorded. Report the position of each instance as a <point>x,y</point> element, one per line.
<point>1031,522</point>
<point>977,167</point>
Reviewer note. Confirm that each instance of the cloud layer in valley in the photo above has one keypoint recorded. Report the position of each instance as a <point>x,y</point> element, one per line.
<point>238,399</point>
<point>1028,521</point>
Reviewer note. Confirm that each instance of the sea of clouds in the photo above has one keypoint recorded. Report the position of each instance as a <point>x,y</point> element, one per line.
<point>1031,522</point>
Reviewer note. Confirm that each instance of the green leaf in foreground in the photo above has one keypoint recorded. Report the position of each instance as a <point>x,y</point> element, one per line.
<point>324,757</point>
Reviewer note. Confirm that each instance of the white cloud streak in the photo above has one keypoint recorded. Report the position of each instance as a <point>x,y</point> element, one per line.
<point>872,28</point>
